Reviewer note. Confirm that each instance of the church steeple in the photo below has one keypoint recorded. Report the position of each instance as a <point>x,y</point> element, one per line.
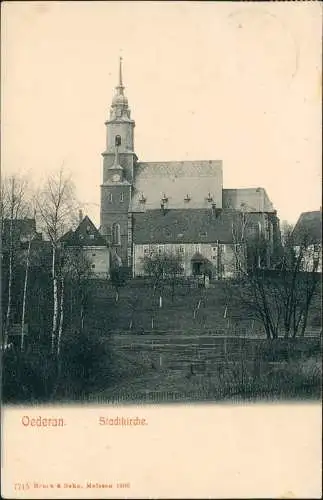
<point>119,155</point>
<point>119,107</point>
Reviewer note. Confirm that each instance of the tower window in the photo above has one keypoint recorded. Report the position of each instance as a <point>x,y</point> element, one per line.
<point>118,140</point>
<point>110,198</point>
<point>116,237</point>
<point>121,197</point>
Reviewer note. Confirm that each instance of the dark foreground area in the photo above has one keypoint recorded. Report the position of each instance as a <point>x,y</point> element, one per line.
<point>201,345</point>
<point>95,370</point>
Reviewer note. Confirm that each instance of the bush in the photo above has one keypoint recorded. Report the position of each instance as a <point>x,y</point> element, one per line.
<point>37,376</point>
<point>28,376</point>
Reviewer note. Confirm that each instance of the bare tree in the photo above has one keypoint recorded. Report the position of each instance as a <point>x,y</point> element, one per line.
<point>56,206</point>
<point>14,206</point>
<point>74,269</point>
<point>280,298</point>
<point>30,238</point>
<point>162,268</point>
<point>173,264</point>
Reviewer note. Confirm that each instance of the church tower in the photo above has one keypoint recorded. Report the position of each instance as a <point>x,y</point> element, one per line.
<point>119,160</point>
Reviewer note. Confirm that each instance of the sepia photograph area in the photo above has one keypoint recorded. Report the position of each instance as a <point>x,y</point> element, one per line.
<point>161,211</point>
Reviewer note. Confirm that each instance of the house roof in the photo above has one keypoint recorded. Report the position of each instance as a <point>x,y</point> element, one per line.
<point>184,226</point>
<point>21,227</point>
<point>86,234</point>
<point>23,230</point>
<point>309,225</point>
<point>178,180</point>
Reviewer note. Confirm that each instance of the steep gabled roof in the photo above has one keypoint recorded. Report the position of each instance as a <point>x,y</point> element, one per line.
<point>86,234</point>
<point>184,226</point>
<point>21,227</point>
<point>309,226</point>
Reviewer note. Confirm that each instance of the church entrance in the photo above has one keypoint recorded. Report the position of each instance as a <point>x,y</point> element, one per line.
<point>196,268</point>
<point>197,263</point>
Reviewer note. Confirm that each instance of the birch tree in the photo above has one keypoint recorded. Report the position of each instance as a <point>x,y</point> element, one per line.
<point>14,206</point>
<point>30,237</point>
<point>56,206</point>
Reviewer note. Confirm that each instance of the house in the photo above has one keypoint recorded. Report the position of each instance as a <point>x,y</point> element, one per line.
<point>93,245</point>
<point>307,237</point>
<point>203,239</point>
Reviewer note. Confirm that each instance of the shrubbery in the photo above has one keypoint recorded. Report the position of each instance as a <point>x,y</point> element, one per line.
<point>38,376</point>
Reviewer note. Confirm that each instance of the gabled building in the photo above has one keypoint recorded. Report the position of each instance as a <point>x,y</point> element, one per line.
<point>145,204</point>
<point>93,245</point>
<point>203,239</point>
<point>307,237</point>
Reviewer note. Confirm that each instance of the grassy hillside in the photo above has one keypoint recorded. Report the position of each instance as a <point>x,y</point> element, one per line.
<point>193,310</point>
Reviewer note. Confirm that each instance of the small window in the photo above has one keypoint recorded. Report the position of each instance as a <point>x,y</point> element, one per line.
<point>181,249</point>
<point>118,140</point>
<point>213,257</point>
<point>121,197</point>
<point>91,236</point>
<point>93,254</point>
<point>93,266</point>
<point>110,197</point>
<point>146,249</point>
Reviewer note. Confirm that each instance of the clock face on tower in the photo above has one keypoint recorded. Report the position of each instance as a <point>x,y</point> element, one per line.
<point>116,178</point>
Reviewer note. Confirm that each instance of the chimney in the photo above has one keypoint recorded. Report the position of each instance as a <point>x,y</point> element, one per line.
<point>80,215</point>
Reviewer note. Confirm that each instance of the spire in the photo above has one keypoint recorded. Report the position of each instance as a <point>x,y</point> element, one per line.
<point>120,87</point>
<point>119,107</point>
<point>120,73</point>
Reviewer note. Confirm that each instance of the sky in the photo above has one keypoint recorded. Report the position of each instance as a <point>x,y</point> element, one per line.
<point>233,81</point>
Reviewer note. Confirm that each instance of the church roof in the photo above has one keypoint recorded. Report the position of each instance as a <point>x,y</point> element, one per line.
<point>184,226</point>
<point>253,199</point>
<point>309,225</point>
<point>86,234</point>
<point>186,184</point>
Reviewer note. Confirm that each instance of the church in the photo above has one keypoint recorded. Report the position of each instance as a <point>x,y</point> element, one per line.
<point>174,206</point>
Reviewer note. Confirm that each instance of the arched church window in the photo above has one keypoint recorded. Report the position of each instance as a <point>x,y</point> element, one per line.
<point>118,140</point>
<point>110,197</point>
<point>116,237</point>
<point>121,197</point>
